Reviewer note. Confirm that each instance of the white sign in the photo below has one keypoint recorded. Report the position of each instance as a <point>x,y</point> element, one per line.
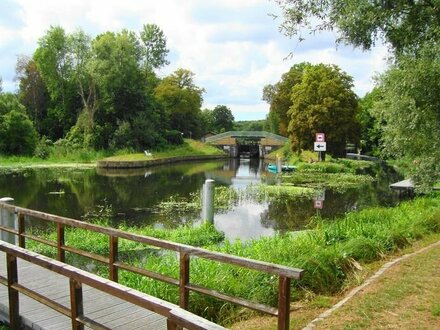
<point>320,137</point>
<point>318,204</point>
<point>320,146</point>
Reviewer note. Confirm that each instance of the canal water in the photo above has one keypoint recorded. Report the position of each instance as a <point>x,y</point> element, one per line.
<point>140,197</point>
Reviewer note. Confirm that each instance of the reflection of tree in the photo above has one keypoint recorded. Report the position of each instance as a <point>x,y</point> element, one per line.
<point>295,214</point>
<point>288,215</point>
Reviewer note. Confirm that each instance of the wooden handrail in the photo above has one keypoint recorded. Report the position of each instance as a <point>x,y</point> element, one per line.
<point>285,274</point>
<point>176,317</point>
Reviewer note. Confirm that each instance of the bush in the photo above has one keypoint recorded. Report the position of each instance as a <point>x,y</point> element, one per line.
<point>17,134</point>
<point>174,137</point>
<point>42,149</point>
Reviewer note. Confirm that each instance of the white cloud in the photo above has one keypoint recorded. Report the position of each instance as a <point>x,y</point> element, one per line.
<point>233,47</point>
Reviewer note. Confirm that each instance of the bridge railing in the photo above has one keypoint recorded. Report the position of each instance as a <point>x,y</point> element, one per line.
<point>176,317</point>
<point>185,253</point>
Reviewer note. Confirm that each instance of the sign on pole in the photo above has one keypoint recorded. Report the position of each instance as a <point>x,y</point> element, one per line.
<point>320,146</point>
<point>318,204</point>
<point>320,137</point>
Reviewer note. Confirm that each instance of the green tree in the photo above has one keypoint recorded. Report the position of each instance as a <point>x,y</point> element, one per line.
<point>182,101</point>
<point>32,91</point>
<point>223,119</point>
<point>371,126</point>
<point>55,64</point>
<point>17,133</point>
<point>323,102</point>
<point>9,102</point>
<point>155,47</point>
<point>207,121</point>
<point>410,110</point>
<point>279,96</point>
<point>116,69</point>
<point>404,24</point>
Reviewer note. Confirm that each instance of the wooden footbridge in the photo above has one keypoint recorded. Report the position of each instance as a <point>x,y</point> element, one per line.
<point>38,292</point>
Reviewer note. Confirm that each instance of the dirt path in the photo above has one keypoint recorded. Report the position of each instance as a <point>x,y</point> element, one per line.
<point>403,294</point>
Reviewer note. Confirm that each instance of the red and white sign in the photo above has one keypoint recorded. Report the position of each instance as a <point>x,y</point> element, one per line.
<point>318,204</point>
<point>320,137</point>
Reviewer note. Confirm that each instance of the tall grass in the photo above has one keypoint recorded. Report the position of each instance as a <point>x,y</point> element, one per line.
<point>330,253</point>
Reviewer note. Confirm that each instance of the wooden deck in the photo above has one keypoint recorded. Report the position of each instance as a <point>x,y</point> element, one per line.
<point>105,309</point>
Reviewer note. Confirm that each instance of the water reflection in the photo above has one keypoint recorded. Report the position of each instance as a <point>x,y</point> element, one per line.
<point>133,195</point>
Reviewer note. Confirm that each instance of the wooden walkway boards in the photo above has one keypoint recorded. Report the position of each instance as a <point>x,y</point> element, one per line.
<point>108,310</point>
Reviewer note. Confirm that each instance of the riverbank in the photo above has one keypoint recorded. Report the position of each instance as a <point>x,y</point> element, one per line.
<point>84,158</point>
<point>189,150</point>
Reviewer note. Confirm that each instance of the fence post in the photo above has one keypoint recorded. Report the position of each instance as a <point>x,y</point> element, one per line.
<point>76,303</point>
<point>21,231</point>
<point>61,254</point>
<point>283,303</point>
<point>208,201</point>
<point>14,306</point>
<point>113,257</point>
<point>7,219</point>
<point>184,280</point>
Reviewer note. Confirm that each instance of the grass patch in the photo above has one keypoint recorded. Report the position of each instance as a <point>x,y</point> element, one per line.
<point>57,155</point>
<point>188,148</point>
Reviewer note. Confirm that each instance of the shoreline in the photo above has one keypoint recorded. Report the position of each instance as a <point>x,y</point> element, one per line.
<point>152,162</point>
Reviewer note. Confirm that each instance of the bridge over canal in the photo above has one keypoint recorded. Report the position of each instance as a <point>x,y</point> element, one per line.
<point>247,143</point>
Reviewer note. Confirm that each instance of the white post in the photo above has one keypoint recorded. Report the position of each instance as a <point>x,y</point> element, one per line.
<point>7,219</point>
<point>279,168</point>
<point>208,201</point>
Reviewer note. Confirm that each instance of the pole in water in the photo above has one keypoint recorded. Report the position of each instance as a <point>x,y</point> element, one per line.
<point>279,168</point>
<point>7,219</point>
<point>208,201</point>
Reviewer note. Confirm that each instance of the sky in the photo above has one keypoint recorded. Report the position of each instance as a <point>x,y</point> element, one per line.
<point>233,47</point>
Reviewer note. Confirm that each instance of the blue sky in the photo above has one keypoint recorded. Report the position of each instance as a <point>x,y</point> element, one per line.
<point>233,47</point>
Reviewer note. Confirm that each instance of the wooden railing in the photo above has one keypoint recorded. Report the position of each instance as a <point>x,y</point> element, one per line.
<point>185,252</point>
<point>176,316</point>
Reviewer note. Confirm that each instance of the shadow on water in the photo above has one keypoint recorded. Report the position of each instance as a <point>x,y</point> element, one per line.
<point>132,196</point>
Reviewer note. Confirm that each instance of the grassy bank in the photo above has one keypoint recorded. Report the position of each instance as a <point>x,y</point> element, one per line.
<point>332,253</point>
<point>62,155</point>
<point>188,148</point>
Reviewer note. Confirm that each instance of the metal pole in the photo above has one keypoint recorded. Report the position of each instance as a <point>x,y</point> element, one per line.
<point>208,201</point>
<point>7,219</point>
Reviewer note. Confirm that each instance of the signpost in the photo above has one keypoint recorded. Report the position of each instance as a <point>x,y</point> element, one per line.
<point>320,144</point>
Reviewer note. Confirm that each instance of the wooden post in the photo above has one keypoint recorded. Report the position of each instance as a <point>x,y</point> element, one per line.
<point>76,304</point>
<point>283,303</point>
<point>113,270</point>
<point>61,254</point>
<point>21,231</point>
<point>184,280</point>
<point>14,306</point>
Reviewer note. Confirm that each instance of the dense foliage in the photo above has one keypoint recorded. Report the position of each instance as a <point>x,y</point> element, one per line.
<point>406,121</point>
<point>409,107</point>
<point>315,98</point>
<point>104,93</point>
<point>403,24</point>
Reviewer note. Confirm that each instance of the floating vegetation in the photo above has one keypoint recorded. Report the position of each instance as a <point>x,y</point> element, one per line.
<point>263,193</point>
<point>338,182</point>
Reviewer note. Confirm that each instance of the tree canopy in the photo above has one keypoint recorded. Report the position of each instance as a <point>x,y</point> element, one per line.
<point>403,24</point>
<point>409,109</point>
<point>323,102</point>
<point>279,97</point>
